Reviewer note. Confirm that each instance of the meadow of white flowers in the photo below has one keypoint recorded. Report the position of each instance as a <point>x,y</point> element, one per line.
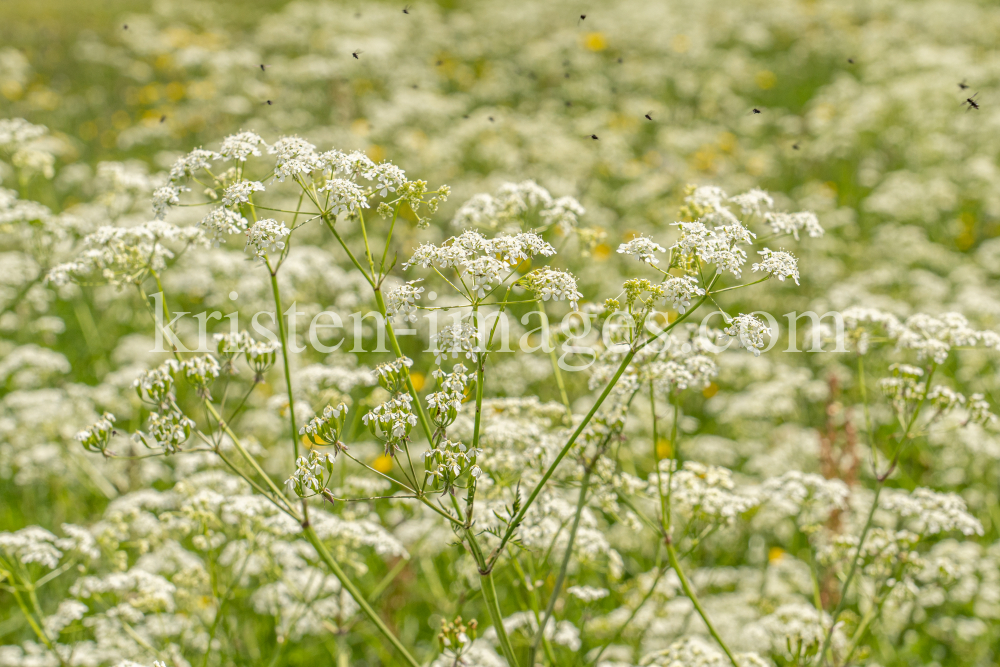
<point>334,333</point>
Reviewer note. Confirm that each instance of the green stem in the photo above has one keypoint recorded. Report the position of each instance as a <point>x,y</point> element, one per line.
<point>674,563</point>
<point>557,589</point>
<point>35,627</point>
<point>334,566</point>
<point>555,369</point>
<point>493,607</point>
<point>354,260</point>
<point>284,357</point>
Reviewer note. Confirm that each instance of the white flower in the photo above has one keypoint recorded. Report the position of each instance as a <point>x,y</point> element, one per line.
<point>643,249</point>
<point>460,338</point>
<point>796,629</point>
<point>391,421</point>
<point>96,438</point>
<point>719,246</point>
<point>484,271</point>
<point>587,593</point>
<point>779,264</point>
<point>979,411</point>
<point>240,192</point>
<point>705,492</point>
<point>679,290</point>
<point>16,131</point>
<point>345,196</point>
<point>390,178</point>
<point>749,332</point>
<point>708,203</point>
<point>553,284</point>
<point>222,222</point>
<point>122,255</point>
<point>932,512</point>
<point>311,473</point>
<point>564,213</point>
<point>241,145</point>
<point>193,162</point>
<point>267,236</point>
<point>402,300</point>
<point>511,202</point>
<point>295,156</point>
<point>33,544</point>
<point>350,165</point>
<point>164,198</point>
<point>793,223</point>
<point>754,201</point>
<point>169,430</point>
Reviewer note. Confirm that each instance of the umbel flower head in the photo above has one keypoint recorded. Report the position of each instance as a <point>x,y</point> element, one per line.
<point>486,263</point>
<point>748,331</point>
<point>402,300</point>
<point>97,437</point>
<point>312,473</point>
<point>327,428</point>
<point>553,284</point>
<point>779,264</point>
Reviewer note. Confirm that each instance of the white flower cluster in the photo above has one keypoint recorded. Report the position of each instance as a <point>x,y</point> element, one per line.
<point>401,300</point>
<point>808,497</point>
<point>931,512</point>
<point>327,428</point>
<point>345,196</point>
<point>18,131</point>
<point>481,259</point>
<point>392,421</point>
<point>312,473</point>
<point>266,236</point>
<point>680,360</point>
<point>553,284</point>
<point>165,197</point>
<point>588,593</point>
<point>294,156</point>
<point>241,145</point>
<point>155,384</point>
<point>779,264</point>
<point>455,339</point>
<point>34,544</point>
<point>793,223</point>
<point>240,192</point>
<point>796,630</point>
<point>447,461</point>
<point>643,249</point>
<point>679,290</point>
<point>748,331</point>
<point>189,165</point>
<point>564,214</point>
<point>445,403</point>
<point>511,203</point>
<point>930,337</point>
<point>169,431</point>
<point>97,437</point>
<point>123,255</point>
<point>222,222</point>
<point>753,202</point>
<point>704,492</point>
<point>201,372</point>
<point>260,355</point>
<point>697,652</point>
<point>719,246</point>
